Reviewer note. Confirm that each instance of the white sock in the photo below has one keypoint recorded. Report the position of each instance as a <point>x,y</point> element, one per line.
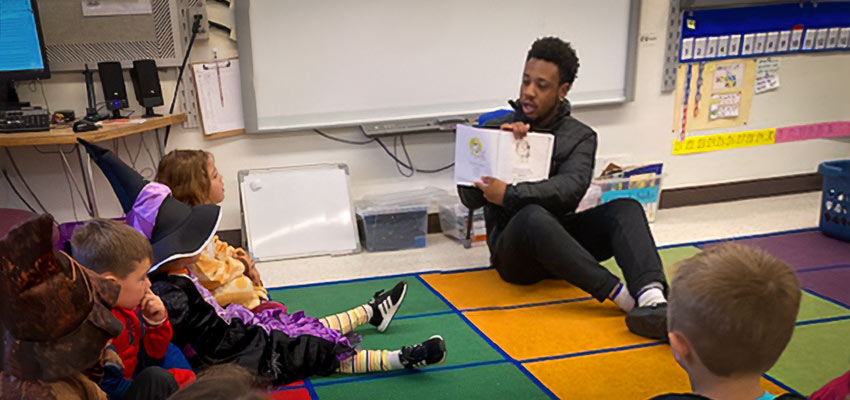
<point>621,296</point>
<point>651,295</point>
<point>394,359</point>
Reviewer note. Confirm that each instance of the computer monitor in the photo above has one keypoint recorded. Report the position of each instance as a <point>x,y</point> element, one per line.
<point>22,46</point>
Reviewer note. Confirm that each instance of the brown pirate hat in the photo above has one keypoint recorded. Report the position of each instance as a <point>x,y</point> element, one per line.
<point>55,316</point>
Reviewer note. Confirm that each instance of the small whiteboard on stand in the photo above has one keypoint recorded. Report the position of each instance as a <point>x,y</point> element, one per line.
<point>219,93</point>
<point>297,211</point>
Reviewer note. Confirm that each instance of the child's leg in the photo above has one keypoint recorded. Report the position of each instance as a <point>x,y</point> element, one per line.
<point>379,311</point>
<point>429,352</point>
<point>369,361</point>
<point>348,321</point>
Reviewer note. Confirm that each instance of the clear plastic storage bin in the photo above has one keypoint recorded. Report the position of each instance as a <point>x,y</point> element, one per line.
<point>394,221</point>
<point>454,218</point>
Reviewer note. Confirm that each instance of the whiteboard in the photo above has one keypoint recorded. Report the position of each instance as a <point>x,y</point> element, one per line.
<point>297,211</point>
<point>344,63</point>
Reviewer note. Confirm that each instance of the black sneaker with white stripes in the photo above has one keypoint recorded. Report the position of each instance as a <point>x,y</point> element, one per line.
<point>386,304</point>
<point>429,352</point>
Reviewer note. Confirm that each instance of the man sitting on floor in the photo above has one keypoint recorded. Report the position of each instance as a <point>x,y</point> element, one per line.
<point>532,229</point>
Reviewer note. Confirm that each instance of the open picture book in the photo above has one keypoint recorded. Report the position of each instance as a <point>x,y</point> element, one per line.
<point>496,153</point>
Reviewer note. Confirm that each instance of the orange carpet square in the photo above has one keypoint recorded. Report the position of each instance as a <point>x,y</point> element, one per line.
<point>628,374</point>
<point>557,329</point>
<point>485,288</point>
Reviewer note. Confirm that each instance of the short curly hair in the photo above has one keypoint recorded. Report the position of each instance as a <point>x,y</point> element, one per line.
<point>558,52</point>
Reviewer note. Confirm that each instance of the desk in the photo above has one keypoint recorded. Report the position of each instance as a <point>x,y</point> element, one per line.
<point>68,136</point>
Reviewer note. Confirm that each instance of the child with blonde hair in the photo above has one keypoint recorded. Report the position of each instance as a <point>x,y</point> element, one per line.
<point>731,313</point>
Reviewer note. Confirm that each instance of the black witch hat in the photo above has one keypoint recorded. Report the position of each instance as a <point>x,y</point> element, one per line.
<point>176,229</point>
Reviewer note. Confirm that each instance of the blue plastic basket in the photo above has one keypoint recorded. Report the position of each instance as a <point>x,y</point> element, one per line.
<point>834,214</point>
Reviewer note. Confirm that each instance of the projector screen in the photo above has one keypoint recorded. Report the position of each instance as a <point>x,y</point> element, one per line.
<point>310,64</point>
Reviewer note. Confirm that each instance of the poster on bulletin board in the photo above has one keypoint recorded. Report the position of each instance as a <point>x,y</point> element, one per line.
<point>712,95</point>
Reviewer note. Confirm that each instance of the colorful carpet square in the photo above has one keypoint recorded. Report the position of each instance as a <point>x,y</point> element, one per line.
<point>551,340</point>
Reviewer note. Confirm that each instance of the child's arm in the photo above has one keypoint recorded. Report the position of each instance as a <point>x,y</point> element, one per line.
<point>157,328</point>
<point>225,251</point>
<point>250,269</point>
<point>113,382</point>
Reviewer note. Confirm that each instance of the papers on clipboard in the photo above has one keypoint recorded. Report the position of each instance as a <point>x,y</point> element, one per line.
<point>219,97</point>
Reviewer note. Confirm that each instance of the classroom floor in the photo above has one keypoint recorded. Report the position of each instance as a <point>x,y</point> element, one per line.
<point>550,340</point>
<point>672,226</point>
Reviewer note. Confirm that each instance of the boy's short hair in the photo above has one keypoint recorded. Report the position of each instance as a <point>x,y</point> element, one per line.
<point>558,52</point>
<point>737,306</point>
<point>103,245</point>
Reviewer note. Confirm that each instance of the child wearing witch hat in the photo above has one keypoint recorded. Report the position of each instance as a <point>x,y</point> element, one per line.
<point>278,346</point>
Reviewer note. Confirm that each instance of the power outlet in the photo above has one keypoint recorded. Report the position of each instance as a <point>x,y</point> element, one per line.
<point>191,12</point>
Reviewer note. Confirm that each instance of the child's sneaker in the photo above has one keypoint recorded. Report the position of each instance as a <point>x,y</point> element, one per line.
<point>429,352</point>
<point>386,304</point>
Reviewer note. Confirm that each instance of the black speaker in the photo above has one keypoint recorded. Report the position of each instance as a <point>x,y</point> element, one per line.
<point>146,85</point>
<point>114,92</point>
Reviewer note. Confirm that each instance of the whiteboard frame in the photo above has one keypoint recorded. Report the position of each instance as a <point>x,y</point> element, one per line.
<point>246,231</point>
<point>249,99</point>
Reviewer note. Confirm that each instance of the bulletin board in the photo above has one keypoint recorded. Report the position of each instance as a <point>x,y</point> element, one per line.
<point>718,95</point>
<point>776,29</point>
<point>795,58</point>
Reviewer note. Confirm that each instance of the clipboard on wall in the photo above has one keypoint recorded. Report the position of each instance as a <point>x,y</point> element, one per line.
<point>219,96</point>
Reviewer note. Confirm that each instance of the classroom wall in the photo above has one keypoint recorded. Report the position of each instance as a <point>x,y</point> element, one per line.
<point>814,89</point>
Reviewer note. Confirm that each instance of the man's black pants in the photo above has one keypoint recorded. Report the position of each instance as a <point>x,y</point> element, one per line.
<point>537,245</point>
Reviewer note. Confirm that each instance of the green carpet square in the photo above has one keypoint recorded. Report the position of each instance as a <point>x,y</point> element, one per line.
<point>497,381</point>
<point>323,300</point>
<point>813,307</point>
<point>463,345</point>
<point>669,257</point>
<point>816,354</point>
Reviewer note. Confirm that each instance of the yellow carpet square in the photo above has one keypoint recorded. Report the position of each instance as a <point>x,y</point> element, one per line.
<point>485,288</point>
<point>557,329</point>
<point>629,374</point>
